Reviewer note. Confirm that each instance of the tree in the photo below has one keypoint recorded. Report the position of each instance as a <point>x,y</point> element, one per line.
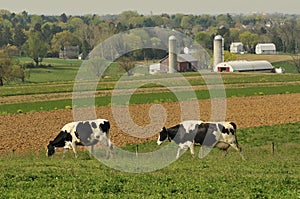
<point>296,61</point>
<point>228,56</point>
<point>62,39</point>
<point>19,37</point>
<point>249,40</point>
<point>127,64</point>
<point>10,68</point>
<point>36,47</point>
<point>204,39</point>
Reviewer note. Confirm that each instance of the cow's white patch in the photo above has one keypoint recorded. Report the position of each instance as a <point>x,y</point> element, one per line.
<point>190,125</point>
<point>185,145</point>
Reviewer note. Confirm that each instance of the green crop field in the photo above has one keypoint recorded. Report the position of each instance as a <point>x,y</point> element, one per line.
<point>263,175</point>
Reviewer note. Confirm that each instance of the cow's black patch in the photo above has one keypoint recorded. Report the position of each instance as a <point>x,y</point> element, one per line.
<point>94,125</point>
<point>50,149</point>
<point>59,141</point>
<point>105,126</point>
<point>163,135</point>
<point>84,131</point>
<point>223,129</point>
<point>180,135</point>
<point>204,135</point>
<point>233,125</point>
<point>226,130</point>
<point>61,138</point>
<point>172,132</point>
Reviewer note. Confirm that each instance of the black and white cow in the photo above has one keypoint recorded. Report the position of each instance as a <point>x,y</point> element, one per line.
<point>85,133</point>
<point>207,134</point>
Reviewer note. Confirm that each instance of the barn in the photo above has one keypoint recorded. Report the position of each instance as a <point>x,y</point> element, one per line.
<point>244,66</point>
<point>185,62</point>
<point>265,48</point>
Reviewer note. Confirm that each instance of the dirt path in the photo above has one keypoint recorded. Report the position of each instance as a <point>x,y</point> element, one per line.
<point>32,131</point>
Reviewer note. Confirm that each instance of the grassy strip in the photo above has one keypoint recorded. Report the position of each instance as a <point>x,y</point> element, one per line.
<point>146,98</point>
<point>108,84</point>
<point>262,175</point>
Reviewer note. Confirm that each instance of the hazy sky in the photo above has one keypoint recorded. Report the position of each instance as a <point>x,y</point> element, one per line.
<point>102,7</point>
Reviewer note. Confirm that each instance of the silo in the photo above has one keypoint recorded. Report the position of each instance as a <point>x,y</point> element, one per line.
<point>218,49</point>
<point>172,54</point>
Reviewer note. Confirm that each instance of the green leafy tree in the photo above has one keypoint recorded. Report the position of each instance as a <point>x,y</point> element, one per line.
<point>249,40</point>
<point>36,47</point>
<point>10,68</point>
<point>204,39</point>
<point>62,39</point>
<point>19,37</point>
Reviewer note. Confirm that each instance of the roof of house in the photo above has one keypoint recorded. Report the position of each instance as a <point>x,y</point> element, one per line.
<point>247,65</point>
<point>236,44</point>
<point>266,46</point>
<point>186,57</point>
<point>183,58</point>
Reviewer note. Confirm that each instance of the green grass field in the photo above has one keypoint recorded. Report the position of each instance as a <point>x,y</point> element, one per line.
<point>262,175</point>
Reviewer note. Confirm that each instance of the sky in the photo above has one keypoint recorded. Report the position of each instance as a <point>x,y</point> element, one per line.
<point>147,7</point>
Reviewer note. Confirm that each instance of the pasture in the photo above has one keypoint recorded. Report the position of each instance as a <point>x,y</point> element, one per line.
<point>266,108</point>
<point>262,175</point>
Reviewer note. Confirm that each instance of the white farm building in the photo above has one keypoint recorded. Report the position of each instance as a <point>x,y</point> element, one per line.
<point>237,47</point>
<point>265,48</point>
<point>244,66</point>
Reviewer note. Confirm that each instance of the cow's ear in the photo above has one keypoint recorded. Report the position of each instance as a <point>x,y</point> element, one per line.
<point>164,129</point>
<point>233,125</point>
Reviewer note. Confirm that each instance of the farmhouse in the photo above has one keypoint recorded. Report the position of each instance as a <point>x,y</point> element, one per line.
<point>185,62</point>
<point>244,66</point>
<point>265,48</point>
<point>237,47</point>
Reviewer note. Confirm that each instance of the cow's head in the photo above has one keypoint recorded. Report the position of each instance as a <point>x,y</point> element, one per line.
<point>50,149</point>
<point>163,135</point>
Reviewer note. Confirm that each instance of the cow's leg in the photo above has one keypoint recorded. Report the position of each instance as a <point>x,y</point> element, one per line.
<point>224,152</point>
<point>71,145</point>
<point>64,152</point>
<point>204,150</point>
<point>74,149</point>
<point>107,147</point>
<point>192,149</point>
<point>110,149</point>
<point>237,148</point>
<point>178,152</point>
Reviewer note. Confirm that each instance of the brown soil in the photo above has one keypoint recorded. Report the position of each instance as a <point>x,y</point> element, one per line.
<point>30,132</point>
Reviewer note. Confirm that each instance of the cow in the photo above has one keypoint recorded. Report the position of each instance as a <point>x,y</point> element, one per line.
<point>84,133</point>
<point>189,133</point>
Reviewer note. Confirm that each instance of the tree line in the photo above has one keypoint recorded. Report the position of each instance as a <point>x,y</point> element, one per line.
<point>39,36</point>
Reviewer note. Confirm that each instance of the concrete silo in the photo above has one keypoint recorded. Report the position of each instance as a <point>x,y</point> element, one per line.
<point>218,49</point>
<point>172,54</point>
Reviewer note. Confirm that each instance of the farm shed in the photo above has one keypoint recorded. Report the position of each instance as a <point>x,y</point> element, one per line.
<point>237,47</point>
<point>265,48</point>
<point>154,68</point>
<point>185,62</point>
<point>244,66</point>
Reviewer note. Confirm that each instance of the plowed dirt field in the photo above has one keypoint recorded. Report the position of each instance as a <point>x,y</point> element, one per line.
<point>30,132</point>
